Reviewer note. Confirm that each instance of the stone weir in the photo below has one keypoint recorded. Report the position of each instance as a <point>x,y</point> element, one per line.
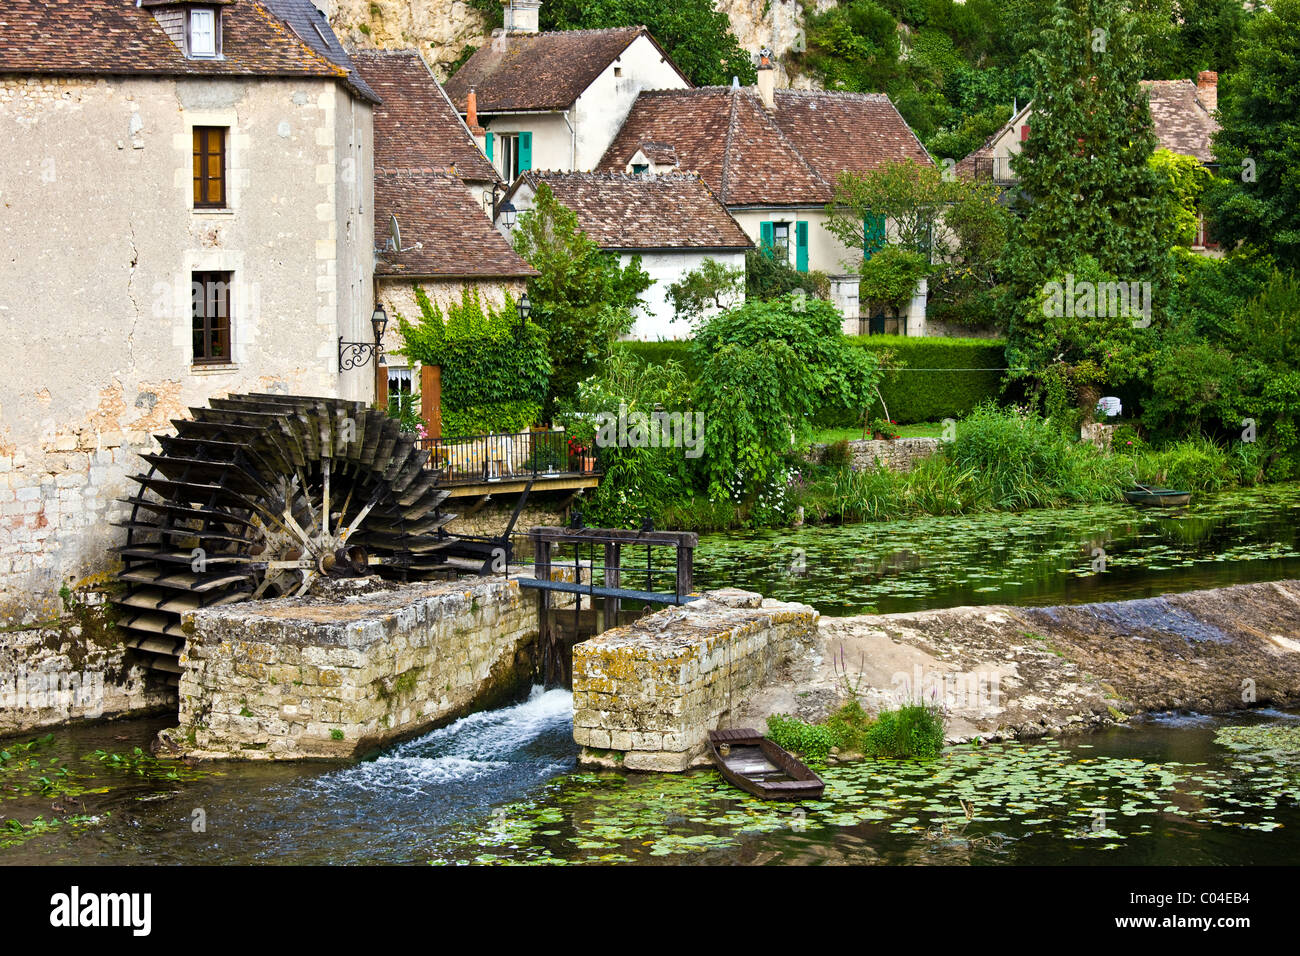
<point>341,674</point>
<point>646,695</point>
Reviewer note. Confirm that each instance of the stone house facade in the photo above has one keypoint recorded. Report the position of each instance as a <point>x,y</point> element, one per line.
<point>188,212</point>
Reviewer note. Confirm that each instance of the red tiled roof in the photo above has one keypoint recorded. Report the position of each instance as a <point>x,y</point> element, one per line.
<point>445,234</point>
<point>416,125</point>
<point>750,155</point>
<point>538,71</point>
<point>115,37</point>
<point>620,211</point>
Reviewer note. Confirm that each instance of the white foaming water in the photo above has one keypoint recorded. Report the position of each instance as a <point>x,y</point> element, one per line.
<point>488,743</point>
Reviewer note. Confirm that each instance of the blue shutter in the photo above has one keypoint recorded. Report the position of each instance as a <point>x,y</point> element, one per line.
<point>873,235</point>
<point>488,146</point>
<point>801,246</point>
<point>525,152</point>
<point>766,238</point>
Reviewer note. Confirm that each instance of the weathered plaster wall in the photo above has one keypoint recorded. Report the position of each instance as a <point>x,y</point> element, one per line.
<point>651,691</point>
<point>655,319</point>
<point>99,241</point>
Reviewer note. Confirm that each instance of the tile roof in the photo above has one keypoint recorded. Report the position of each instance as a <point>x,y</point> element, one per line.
<point>118,38</point>
<point>750,155</point>
<point>417,125</point>
<point>538,71</point>
<point>445,234</point>
<point>621,211</point>
<point>1182,123</point>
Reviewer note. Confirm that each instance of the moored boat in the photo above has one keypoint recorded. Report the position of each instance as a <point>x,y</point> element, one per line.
<point>1157,497</point>
<point>753,763</point>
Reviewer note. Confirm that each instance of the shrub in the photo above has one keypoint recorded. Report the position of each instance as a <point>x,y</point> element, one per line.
<point>911,731</point>
<point>837,455</point>
<point>915,393</point>
<point>812,741</point>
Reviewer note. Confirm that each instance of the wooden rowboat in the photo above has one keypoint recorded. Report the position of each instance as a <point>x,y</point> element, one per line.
<point>1157,497</point>
<point>753,763</point>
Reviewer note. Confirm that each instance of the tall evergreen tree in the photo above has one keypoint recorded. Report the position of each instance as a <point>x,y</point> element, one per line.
<point>1258,145</point>
<point>1090,194</point>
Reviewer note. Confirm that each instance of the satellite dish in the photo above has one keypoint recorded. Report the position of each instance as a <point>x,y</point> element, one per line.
<point>394,243</point>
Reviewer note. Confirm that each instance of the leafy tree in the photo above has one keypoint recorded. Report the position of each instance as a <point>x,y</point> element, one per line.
<point>1093,195</point>
<point>697,36</point>
<point>1186,179</point>
<point>712,287</point>
<point>765,370</point>
<point>1258,143</point>
<point>583,298</point>
<point>766,277</point>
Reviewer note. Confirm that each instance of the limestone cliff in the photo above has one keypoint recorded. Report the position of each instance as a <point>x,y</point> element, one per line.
<point>443,28</point>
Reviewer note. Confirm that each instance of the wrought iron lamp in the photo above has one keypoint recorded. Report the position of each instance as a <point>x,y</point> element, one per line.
<point>524,308</point>
<point>356,354</point>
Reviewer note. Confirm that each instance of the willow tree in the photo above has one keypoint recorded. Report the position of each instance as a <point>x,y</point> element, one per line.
<point>1093,203</point>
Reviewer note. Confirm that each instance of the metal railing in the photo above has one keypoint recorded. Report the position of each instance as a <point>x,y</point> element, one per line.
<point>995,169</point>
<point>532,454</point>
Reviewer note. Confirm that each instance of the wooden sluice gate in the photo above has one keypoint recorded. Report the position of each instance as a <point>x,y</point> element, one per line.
<point>610,555</point>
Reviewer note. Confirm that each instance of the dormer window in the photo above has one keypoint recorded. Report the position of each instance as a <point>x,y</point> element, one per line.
<point>203,32</point>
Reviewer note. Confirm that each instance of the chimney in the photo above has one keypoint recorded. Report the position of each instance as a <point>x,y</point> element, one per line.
<point>766,78</point>
<point>1207,89</point>
<point>471,120</point>
<point>520,16</point>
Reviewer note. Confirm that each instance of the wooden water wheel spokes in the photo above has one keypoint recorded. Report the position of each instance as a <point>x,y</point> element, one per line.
<point>258,496</point>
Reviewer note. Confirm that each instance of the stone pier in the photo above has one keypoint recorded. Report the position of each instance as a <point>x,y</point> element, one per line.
<point>342,675</point>
<point>646,695</point>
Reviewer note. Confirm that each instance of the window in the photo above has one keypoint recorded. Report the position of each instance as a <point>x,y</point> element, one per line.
<point>210,311</point>
<point>781,241</point>
<point>513,153</point>
<point>399,391</point>
<point>203,32</point>
<point>640,168</point>
<point>209,167</point>
<point>618,71</point>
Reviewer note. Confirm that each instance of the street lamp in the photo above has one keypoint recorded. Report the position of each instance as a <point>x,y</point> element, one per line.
<point>356,354</point>
<point>508,214</point>
<point>524,309</point>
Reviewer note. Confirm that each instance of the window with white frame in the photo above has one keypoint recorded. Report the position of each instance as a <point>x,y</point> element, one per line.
<point>203,32</point>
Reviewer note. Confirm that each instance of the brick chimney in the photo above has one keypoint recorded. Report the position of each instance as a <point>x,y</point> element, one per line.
<point>520,16</point>
<point>766,78</point>
<point>471,120</point>
<point>1207,89</point>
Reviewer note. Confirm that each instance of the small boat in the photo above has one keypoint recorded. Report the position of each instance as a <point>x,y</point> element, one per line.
<point>753,763</point>
<point>1157,497</point>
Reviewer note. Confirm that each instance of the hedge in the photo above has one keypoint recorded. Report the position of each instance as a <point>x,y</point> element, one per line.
<point>972,372</point>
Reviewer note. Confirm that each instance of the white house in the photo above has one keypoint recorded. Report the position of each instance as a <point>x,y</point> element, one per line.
<point>673,222</point>
<point>556,100</point>
<point>771,157</point>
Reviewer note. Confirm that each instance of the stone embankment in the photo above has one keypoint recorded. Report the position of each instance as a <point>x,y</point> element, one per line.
<point>1004,672</point>
<point>901,454</point>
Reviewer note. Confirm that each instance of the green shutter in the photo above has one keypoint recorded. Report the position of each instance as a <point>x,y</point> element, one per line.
<point>766,238</point>
<point>873,235</point>
<point>801,246</point>
<point>488,143</point>
<point>525,152</point>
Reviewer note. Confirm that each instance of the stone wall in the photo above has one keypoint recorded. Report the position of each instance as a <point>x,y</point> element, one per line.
<point>492,518</point>
<point>343,675</point>
<point>70,668</point>
<point>651,691</point>
<point>901,454</point>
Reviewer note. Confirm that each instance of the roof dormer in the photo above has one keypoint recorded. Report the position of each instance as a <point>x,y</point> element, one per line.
<point>193,25</point>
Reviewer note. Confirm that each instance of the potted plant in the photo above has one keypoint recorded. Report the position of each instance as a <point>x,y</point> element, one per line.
<point>884,429</point>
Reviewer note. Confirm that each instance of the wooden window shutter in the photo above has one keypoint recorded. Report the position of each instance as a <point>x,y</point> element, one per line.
<point>801,246</point>
<point>487,145</point>
<point>873,235</point>
<point>766,238</point>
<point>525,152</point>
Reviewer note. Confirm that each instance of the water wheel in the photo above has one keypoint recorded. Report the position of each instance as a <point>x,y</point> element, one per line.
<point>260,496</point>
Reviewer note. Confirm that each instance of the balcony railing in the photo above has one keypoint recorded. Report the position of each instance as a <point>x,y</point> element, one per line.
<point>994,169</point>
<point>535,454</point>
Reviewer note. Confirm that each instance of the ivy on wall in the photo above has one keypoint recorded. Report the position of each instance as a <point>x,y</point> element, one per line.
<point>494,373</point>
